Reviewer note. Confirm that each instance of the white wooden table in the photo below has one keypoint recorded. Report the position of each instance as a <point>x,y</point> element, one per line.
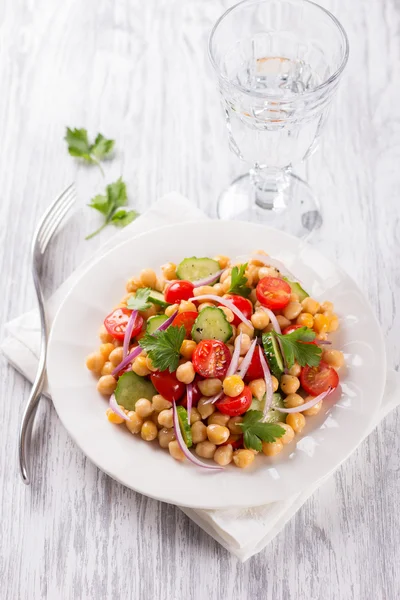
<point>138,72</point>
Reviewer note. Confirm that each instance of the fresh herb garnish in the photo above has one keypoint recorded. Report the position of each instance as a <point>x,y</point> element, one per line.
<point>163,347</point>
<point>239,281</point>
<point>79,146</point>
<point>294,349</point>
<point>109,204</point>
<point>140,300</point>
<point>255,432</point>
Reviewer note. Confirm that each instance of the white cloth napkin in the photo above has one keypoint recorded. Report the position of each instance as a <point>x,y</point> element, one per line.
<point>242,532</point>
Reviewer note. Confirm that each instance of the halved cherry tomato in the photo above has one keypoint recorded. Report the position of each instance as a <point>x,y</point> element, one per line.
<point>196,395</point>
<point>167,385</point>
<point>116,323</point>
<point>177,291</point>
<point>255,370</point>
<point>186,319</point>
<point>211,359</point>
<point>236,441</point>
<point>315,380</point>
<point>237,405</point>
<point>242,304</point>
<point>274,293</point>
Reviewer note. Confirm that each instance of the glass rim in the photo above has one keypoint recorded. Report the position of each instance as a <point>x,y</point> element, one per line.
<point>321,86</point>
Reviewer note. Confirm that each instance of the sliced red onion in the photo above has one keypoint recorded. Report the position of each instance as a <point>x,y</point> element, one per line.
<point>323,342</point>
<point>189,396</point>
<point>213,399</point>
<point>128,332</point>
<point>208,280</point>
<point>268,383</point>
<point>235,357</point>
<point>308,404</point>
<point>116,408</point>
<point>184,448</point>
<point>247,360</point>
<point>167,323</point>
<point>227,303</point>
<point>273,319</point>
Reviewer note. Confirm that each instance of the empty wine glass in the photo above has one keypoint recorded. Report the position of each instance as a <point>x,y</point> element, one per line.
<point>278,63</point>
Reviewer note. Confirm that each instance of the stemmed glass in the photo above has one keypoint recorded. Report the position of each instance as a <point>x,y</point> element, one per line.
<point>278,63</point>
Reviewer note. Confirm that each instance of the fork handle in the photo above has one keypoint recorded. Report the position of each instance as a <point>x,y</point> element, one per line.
<point>27,423</point>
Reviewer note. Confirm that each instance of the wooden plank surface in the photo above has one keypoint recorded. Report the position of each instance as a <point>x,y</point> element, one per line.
<point>138,72</point>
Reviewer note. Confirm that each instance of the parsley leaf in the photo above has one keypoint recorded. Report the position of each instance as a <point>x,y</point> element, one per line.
<point>163,347</point>
<point>79,146</point>
<point>108,205</point>
<point>102,147</point>
<point>123,217</point>
<point>239,281</point>
<point>255,431</point>
<point>140,300</point>
<point>294,349</point>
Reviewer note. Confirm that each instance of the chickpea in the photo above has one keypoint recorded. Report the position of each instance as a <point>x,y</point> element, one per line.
<point>244,344</point>
<point>143,407</point>
<point>106,385</point>
<point>243,458</point>
<point>321,323</point>
<point>333,324</point>
<point>139,366</point>
<point>223,455</point>
<point>117,343</point>
<point>95,362</point>
<point>217,434</point>
<point>305,320</point>
<point>165,436</point>
<point>310,306</point>
<point>205,449</point>
<point>314,410</point>
<point>233,386</point>
<point>295,370</point>
<point>194,415</point>
<point>294,297</point>
<point>185,373</point>
<point>169,270</point>
<point>113,417</point>
<point>275,383</point>
<point>228,313</point>
<point>185,306</point>
<point>165,418</point>
<point>257,388</point>
<point>289,384</point>
<point>218,291</point>
<point>160,403</point>
<point>260,319</point>
<point>218,418</point>
<point>187,348</point>
<point>203,290</point>
<point>149,364</point>
<point>199,432</point>
<point>334,358</point>
<point>288,435</point>
<point>203,305</point>
<point>210,387</point>
<point>134,425</point>
<point>222,260</point>
<point>225,275</point>
<point>246,330</point>
<point>170,310</point>
<point>292,310</point>
<point>232,340</point>
<point>107,369</point>
<point>106,349</point>
<point>296,421</point>
<point>116,356</point>
<point>252,273</point>
<point>175,451</point>
<point>154,417</point>
<point>160,285</point>
<point>272,448</point>
<point>104,336</point>
<point>283,321</point>
<point>149,431</point>
<point>293,400</point>
<point>253,296</point>
<point>204,409</point>
<point>149,312</point>
<point>148,278</point>
<point>226,285</point>
<point>267,272</point>
<point>133,284</point>
<point>326,307</point>
<point>233,425</point>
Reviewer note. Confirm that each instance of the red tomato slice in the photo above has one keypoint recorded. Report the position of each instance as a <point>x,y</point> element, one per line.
<point>255,370</point>
<point>116,323</point>
<point>196,395</point>
<point>177,291</point>
<point>211,359</point>
<point>315,380</point>
<point>237,405</point>
<point>236,441</point>
<point>274,293</point>
<point>186,319</point>
<point>167,385</point>
<point>242,304</point>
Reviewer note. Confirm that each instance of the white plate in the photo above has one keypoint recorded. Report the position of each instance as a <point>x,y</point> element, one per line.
<point>327,439</point>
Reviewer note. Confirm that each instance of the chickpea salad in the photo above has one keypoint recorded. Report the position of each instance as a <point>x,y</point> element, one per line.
<point>226,358</point>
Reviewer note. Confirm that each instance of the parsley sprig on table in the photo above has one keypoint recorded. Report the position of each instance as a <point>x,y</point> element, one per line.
<point>293,348</point>
<point>163,347</point>
<point>255,432</point>
<point>239,281</point>
<point>109,204</point>
<point>140,300</point>
<point>79,146</point>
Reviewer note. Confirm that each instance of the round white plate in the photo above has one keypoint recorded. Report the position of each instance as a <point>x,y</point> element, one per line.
<point>325,442</point>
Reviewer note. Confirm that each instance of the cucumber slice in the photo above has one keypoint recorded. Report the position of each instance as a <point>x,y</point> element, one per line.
<point>192,269</point>
<point>297,289</point>
<point>273,354</point>
<point>211,324</point>
<point>131,387</point>
<point>154,323</point>
<point>184,425</point>
<point>273,415</point>
<point>158,298</point>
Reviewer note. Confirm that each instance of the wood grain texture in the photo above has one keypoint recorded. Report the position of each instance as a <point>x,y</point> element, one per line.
<point>138,71</point>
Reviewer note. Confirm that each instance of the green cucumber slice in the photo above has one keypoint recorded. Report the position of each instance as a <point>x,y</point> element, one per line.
<point>297,289</point>
<point>158,298</point>
<point>273,415</point>
<point>131,387</point>
<point>192,269</point>
<point>211,324</point>
<point>154,323</point>
<point>273,354</point>
<point>184,425</point>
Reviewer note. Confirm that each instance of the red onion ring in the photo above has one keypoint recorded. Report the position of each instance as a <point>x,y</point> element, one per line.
<point>189,396</point>
<point>213,399</point>
<point>227,303</point>
<point>235,357</point>
<point>308,404</point>
<point>113,404</point>
<point>268,383</point>
<point>128,332</point>
<point>208,280</point>
<point>273,319</point>
<point>247,360</point>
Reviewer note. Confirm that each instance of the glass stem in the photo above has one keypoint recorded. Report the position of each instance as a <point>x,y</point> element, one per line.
<point>269,185</point>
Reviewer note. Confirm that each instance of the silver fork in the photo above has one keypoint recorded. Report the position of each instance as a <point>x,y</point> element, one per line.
<point>48,225</point>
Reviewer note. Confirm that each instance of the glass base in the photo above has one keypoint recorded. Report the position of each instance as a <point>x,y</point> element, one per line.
<point>293,209</point>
